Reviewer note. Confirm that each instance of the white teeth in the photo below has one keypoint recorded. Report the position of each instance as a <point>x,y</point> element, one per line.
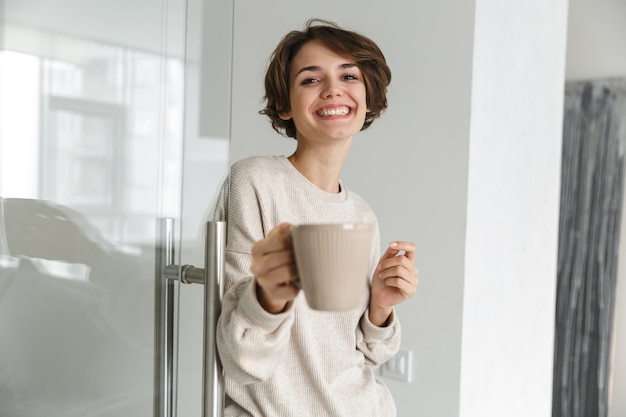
<point>339,111</point>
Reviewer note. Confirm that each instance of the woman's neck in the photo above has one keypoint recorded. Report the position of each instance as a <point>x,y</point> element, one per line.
<point>321,166</point>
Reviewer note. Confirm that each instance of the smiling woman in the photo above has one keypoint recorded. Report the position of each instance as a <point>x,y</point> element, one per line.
<point>356,53</point>
<point>280,356</point>
<point>327,100</point>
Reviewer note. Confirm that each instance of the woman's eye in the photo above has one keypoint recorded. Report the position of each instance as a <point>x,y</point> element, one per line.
<point>308,81</point>
<point>350,77</point>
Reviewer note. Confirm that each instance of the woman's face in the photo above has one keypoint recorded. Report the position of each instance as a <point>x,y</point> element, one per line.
<point>327,95</point>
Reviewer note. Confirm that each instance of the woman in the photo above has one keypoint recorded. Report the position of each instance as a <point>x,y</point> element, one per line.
<point>323,85</point>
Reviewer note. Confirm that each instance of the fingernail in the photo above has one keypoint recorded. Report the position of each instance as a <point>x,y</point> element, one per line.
<point>393,244</point>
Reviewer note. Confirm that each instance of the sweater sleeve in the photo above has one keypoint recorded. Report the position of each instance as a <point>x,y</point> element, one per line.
<point>378,344</point>
<point>251,342</point>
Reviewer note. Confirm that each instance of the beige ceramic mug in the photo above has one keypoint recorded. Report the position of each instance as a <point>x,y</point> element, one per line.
<point>333,262</point>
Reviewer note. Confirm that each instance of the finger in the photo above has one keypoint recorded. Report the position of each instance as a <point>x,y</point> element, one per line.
<point>265,264</point>
<point>386,263</point>
<point>407,247</point>
<point>274,299</point>
<point>405,288</point>
<point>284,291</point>
<point>277,239</point>
<point>396,247</point>
<point>400,271</point>
<point>277,289</point>
<point>410,275</point>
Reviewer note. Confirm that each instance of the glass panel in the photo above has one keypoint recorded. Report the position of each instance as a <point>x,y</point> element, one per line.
<point>82,158</point>
<point>206,158</point>
<point>91,145</point>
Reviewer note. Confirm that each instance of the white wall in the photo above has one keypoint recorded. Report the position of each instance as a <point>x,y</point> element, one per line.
<point>513,208</point>
<point>595,49</point>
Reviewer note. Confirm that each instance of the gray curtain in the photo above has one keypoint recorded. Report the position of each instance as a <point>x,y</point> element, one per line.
<point>594,136</point>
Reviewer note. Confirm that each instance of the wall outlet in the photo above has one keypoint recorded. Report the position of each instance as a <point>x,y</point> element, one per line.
<point>400,367</point>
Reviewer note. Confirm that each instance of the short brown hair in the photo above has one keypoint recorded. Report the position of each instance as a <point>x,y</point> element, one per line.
<point>365,53</point>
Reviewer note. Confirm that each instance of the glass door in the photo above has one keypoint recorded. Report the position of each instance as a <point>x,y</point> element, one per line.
<point>100,136</point>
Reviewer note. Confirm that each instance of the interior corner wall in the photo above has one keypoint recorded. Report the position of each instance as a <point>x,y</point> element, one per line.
<point>513,208</point>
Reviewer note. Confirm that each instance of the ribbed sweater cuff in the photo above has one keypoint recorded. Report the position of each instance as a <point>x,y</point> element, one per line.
<point>380,333</point>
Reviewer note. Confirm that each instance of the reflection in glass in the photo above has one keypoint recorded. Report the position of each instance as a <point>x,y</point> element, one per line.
<point>93,135</point>
<point>90,145</point>
<point>82,306</point>
<point>82,158</point>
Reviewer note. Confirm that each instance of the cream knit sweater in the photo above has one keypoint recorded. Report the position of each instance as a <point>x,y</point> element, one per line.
<point>302,362</point>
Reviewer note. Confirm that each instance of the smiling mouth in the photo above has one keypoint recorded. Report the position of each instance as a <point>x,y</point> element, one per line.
<point>334,111</point>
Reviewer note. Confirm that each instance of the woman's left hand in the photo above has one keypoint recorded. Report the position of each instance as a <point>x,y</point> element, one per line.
<point>394,280</point>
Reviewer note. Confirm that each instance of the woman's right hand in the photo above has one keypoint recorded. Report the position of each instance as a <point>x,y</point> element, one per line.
<point>274,267</point>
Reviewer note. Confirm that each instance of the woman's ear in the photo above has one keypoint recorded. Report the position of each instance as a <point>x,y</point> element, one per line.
<point>285,116</point>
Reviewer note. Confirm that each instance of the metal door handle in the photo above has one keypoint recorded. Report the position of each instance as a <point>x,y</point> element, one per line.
<point>212,278</point>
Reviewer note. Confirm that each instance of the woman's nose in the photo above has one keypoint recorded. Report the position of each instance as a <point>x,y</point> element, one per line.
<point>332,89</point>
